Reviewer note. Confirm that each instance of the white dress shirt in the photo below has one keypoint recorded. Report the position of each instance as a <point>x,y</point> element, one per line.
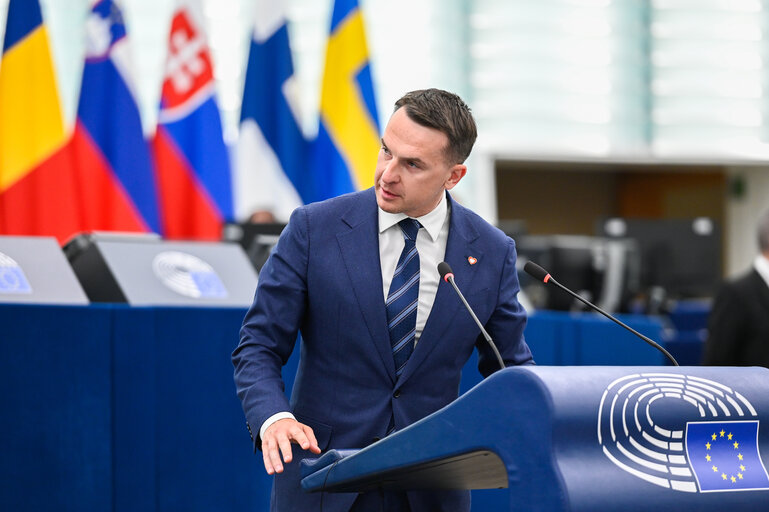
<point>761,264</point>
<point>431,245</point>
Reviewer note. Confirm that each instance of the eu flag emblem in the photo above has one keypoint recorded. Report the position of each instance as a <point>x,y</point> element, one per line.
<point>724,456</point>
<point>12,278</point>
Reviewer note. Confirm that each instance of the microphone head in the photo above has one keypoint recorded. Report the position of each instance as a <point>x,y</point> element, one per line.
<point>444,269</point>
<point>536,271</point>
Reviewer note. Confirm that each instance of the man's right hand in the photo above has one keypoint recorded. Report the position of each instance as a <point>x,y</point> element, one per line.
<point>277,440</point>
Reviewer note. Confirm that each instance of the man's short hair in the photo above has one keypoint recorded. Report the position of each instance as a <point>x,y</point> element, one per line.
<point>763,231</point>
<point>445,112</point>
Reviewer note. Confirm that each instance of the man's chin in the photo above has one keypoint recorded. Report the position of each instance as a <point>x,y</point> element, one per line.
<point>388,206</point>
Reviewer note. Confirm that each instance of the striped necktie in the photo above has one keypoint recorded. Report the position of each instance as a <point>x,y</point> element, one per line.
<point>403,298</point>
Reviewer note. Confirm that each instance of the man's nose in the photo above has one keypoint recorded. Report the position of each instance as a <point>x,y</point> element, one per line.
<point>390,172</point>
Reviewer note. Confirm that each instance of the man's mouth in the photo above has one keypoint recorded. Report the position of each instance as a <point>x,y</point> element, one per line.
<point>386,193</point>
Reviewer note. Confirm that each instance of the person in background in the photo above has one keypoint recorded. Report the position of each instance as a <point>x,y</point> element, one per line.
<point>383,342</point>
<point>738,326</point>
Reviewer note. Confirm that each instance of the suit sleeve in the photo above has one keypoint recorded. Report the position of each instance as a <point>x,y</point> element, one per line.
<point>507,322</point>
<point>725,328</point>
<point>271,325</point>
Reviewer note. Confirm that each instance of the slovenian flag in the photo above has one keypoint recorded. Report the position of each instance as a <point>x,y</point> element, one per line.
<point>116,183</point>
<point>348,134</point>
<point>191,158</point>
<point>272,167</point>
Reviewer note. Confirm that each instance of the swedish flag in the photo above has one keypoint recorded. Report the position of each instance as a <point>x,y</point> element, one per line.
<point>348,134</point>
<point>724,456</point>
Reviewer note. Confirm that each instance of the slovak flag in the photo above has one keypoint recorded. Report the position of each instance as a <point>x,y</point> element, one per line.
<point>116,183</point>
<point>191,159</point>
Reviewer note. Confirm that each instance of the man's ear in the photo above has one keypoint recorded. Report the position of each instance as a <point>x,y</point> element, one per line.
<point>457,173</point>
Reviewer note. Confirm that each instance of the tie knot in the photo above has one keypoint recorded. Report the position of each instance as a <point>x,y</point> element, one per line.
<point>410,228</point>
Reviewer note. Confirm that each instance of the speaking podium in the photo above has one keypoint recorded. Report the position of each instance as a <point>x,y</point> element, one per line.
<point>581,439</point>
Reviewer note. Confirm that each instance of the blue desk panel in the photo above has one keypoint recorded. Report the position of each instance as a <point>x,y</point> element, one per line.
<point>112,407</point>
<point>55,433</point>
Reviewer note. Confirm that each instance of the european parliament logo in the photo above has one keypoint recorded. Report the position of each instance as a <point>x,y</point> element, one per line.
<point>12,278</point>
<point>644,429</point>
<point>188,275</point>
<point>724,456</point>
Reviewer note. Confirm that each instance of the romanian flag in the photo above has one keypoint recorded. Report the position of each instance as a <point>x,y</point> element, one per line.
<point>36,181</point>
<point>273,171</point>
<point>348,134</point>
<point>191,159</point>
<point>116,182</point>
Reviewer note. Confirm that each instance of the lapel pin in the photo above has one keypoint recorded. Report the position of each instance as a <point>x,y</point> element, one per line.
<point>471,260</point>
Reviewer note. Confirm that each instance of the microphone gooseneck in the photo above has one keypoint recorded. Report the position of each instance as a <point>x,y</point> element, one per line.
<point>543,275</point>
<point>447,275</point>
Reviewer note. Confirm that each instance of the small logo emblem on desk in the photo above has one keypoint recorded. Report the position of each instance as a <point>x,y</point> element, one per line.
<point>188,275</point>
<point>705,454</point>
<point>12,278</point>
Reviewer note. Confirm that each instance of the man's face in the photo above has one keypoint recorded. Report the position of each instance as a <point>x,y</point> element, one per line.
<point>412,171</point>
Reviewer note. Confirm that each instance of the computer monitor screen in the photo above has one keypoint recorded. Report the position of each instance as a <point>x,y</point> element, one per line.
<point>576,270</point>
<point>601,270</point>
<point>257,239</point>
<point>680,256</point>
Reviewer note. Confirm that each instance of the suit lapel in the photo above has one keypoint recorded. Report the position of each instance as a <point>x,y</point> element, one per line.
<point>460,246</point>
<point>359,246</point>
<point>761,288</point>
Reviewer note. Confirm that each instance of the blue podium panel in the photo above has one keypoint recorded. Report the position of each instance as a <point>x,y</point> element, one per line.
<point>180,434</point>
<point>582,439</point>
<point>202,445</point>
<point>55,438</point>
<point>134,407</point>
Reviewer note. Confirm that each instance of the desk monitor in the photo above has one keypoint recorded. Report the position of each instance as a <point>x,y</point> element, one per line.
<point>146,270</point>
<point>33,270</point>
<point>256,239</point>
<point>601,270</point>
<point>680,256</point>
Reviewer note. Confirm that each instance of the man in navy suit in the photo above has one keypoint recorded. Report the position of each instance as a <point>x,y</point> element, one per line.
<point>329,278</point>
<point>738,326</point>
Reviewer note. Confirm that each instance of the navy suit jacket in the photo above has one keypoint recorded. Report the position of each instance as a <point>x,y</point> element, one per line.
<point>324,280</point>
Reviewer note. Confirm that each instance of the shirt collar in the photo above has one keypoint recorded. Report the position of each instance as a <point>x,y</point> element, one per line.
<point>432,222</point>
<point>761,264</point>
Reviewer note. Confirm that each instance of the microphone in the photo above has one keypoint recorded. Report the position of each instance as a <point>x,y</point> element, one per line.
<point>543,275</point>
<point>447,275</point>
